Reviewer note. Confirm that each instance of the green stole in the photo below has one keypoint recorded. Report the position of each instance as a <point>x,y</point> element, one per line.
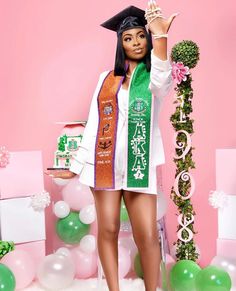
<point>139,130</point>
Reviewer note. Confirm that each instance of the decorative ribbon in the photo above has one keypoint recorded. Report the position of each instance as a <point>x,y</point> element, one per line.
<point>106,134</point>
<point>179,72</point>
<point>139,127</point>
<point>218,199</point>
<point>40,201</point>
<point>4,157</point>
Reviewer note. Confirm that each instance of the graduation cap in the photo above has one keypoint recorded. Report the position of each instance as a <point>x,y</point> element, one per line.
<point>128,18</point>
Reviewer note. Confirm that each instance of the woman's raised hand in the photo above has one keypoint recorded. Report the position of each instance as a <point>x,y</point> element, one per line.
<point>157,24</point>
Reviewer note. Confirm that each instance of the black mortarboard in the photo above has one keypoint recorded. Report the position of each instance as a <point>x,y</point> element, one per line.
<point>130,17</point>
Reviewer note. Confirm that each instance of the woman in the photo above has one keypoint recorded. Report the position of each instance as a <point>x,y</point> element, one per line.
<point>122,145</point>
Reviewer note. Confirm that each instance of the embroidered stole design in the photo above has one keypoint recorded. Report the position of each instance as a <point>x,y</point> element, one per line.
<point>139,127</point>
<point>104,175</point>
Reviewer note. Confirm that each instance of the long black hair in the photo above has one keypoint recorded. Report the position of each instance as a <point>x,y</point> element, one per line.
<point>120,68</point>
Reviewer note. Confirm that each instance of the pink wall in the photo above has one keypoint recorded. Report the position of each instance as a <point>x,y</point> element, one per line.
<point>51,54</point>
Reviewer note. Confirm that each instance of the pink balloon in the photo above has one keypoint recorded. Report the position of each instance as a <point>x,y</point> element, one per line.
<point>124,261</point>
<point>77,195</point>
<point>94,228</point>
<point>85,263</point>
<point>129,244</point>
<point>22,266</point>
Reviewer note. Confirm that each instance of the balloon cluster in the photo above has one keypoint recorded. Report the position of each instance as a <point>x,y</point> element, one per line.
<point>76,227</point>
<point>187,275</point>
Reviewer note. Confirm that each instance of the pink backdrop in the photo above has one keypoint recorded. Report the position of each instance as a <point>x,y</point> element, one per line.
<point>51,55</point>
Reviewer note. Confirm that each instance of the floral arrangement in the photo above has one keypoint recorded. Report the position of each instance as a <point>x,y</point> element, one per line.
<point>184,56</point>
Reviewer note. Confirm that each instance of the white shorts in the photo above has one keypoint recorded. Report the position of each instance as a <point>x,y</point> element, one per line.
<point>87,178</point>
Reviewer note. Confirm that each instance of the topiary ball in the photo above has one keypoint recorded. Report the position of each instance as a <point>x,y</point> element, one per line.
<point>186,52</point>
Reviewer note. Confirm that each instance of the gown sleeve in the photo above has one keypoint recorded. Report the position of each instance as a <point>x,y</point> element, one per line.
<point>160,76</point>
<point>90,130</point>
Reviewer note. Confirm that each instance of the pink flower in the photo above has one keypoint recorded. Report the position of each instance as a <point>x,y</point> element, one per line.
<point>4,157</point>
<point>179,72</point>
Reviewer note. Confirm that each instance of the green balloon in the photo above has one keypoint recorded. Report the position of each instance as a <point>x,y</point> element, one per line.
<point>70,229</point>
<point>137,266</point>
<point>123,212</point>
<point>212,278</point>
<point>7,279</point>
<point>183,274</point>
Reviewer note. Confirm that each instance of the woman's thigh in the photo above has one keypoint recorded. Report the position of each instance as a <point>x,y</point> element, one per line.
<point>108,205</point>
<point>142,210</point>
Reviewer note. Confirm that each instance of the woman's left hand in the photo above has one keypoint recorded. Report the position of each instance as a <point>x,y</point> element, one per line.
<point>157,24</point>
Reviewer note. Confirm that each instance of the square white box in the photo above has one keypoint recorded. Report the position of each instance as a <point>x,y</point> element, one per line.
<point>19,222</point>
<point>226,219</point>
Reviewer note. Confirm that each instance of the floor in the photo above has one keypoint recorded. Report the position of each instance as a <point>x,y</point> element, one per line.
<point>92,285</point>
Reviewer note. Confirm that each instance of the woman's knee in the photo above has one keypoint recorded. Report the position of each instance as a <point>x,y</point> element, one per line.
<point>109,230</point>
<point>146,240</point>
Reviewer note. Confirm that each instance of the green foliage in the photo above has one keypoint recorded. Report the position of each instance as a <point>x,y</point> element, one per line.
<point>186,52</point>
<point>5,247</point>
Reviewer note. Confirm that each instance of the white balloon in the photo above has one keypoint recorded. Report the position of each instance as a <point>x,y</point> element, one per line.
<point>88,214</point>
<point>63,251</point>
<point>56,272</point>
<point>161,205</point>
<point>88,243</point>
<point>60,181</point>
<point>61,209</point>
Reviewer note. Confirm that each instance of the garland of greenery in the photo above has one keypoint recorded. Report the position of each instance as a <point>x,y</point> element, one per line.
<point>187,53</point>
<point>5,247</point>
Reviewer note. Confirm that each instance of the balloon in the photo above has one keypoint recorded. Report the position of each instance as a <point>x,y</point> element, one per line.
<point>70,229</point>
<point>22,266</point>
<point>56,271</point>
<point>94,228</point>
<point>76,194</point>
<point>213,279</point>
<point>85,263</point>
<point>130,245</point>
<point>124,261</point>
<point>7,279</point>
<point>124,216</point>
<point>183,274</point>
<point>227,264</point>
<point>88,214</point>
<point>138,266</point>
<point>63,251</point>
<point>161,205</point>
<point>61,209</point>
<point>60,182</point>
<point>88,243</point>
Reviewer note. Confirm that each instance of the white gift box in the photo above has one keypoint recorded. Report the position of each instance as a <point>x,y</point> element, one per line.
<point>226,219</point>
<point>19,222</point>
